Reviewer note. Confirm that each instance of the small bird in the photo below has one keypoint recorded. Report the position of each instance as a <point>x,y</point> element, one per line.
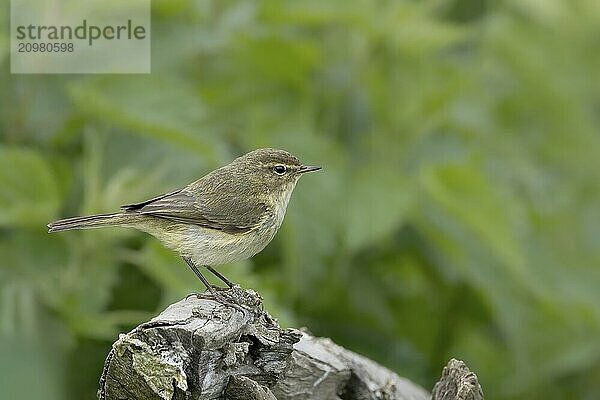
<point>226,216</point>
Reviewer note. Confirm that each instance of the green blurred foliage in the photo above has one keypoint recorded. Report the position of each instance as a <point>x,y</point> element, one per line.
<point>457,214</point>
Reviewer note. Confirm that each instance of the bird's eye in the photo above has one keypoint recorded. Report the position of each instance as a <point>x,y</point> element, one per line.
<point>279,169</point>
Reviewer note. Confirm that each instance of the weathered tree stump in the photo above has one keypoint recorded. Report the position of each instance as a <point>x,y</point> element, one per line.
<point>200,348</point>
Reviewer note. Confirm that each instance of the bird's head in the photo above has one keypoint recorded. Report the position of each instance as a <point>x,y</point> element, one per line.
<point>274,171</point>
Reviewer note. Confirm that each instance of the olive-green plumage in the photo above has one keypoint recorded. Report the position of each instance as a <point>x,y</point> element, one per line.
<point>228,215</point>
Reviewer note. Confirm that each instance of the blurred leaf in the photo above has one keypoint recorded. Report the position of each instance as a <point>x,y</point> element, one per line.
<point>164,267</point>
<point>288,61</point>
<point>133,103</point>
<point>465,195</point>
<point>21,360</point>
<point>30,196</point>
<point>105,326</point>
<point>4,47</point>
<point>374,213</point>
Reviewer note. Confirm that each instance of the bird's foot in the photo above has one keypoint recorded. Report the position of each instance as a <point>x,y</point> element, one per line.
<point>205,295</point>
<point>220,295</point>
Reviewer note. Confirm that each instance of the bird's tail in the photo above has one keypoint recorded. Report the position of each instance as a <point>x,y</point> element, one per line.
<point>91,221</point>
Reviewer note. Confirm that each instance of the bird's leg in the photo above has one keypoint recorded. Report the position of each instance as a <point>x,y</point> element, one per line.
<point>191,264</point>
<point>211,289</point>
<point>220,276</point>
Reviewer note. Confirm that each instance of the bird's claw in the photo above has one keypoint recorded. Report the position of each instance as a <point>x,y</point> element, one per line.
<point>219,297</point>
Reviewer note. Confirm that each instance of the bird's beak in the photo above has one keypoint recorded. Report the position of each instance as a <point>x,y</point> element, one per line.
<point>308,168</point>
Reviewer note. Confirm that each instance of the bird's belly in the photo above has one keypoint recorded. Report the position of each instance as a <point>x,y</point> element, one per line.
<point>212,247</point>
<point>218,247</point>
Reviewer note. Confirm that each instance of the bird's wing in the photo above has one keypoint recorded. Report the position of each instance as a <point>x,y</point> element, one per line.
<point>226,213</point>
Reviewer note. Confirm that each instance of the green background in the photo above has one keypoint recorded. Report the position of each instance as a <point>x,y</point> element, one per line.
<point>457,215</point>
